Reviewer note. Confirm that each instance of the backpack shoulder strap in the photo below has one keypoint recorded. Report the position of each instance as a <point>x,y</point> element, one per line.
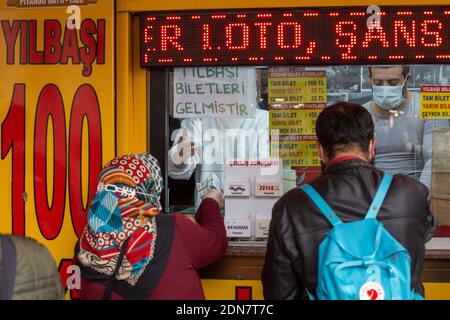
<point>8,267</point>
<point>379,197</point>
<point>321,204</point>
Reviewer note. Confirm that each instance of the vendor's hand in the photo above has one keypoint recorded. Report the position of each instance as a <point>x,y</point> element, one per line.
<point>215,195</point>
<point>185,149</point>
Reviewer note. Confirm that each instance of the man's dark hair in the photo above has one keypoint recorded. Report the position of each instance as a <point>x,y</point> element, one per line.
<point>405,69</point>
<point>343,126</point>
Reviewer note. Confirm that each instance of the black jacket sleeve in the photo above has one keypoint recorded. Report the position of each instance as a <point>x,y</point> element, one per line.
<point>431,225</point>
<point>279,278</point>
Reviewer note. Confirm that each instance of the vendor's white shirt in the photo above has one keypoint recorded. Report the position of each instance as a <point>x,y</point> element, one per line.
<point>405,141</point>
<point>219,143</point>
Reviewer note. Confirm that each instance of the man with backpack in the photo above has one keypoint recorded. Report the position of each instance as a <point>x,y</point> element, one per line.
<point>354,232</point>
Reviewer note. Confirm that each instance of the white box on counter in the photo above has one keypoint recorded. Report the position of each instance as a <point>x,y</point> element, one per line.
<point>237,189</point>
<point>268,189</point>
<point>249,208</point>
<point>262,228</point>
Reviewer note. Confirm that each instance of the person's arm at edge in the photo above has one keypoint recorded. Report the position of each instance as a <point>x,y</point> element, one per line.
<point>278,277</point>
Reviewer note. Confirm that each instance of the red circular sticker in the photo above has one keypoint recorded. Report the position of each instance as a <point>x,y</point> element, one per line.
<point>371,291</point>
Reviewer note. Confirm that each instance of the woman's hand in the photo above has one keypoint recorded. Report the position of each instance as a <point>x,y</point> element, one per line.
<point>215,195</point>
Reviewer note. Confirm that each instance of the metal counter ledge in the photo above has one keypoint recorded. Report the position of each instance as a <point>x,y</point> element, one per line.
<point>244,261</point>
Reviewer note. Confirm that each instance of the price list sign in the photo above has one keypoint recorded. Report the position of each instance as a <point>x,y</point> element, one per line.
<point>296,98</point>
<point>299,150</point>
<point>435,102</point>
<point>300,121</point>
<point>297,87</point>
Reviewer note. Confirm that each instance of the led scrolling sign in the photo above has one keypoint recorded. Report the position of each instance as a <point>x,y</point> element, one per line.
<point>414,35</point>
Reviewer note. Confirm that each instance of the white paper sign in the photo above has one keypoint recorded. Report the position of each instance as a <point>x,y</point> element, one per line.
<point>268,189</point>
<point>237,189</point>
<point>262,228</point>
<point>238,228</point>
<point>252,207</point>
<point>214,92</point>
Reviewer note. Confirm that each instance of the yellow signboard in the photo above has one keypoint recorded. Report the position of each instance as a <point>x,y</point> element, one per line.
<point>57,115</point>
<point>296,98</point>
<point>297,87</point>
<point>294,121</point>
<point>435,102</point>
<point>296,150</point>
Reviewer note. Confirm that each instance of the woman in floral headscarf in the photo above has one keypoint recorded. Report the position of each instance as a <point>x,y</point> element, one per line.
<point>130,251</point>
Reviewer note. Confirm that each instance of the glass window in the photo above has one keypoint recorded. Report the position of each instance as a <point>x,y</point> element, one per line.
<point>413,135</point>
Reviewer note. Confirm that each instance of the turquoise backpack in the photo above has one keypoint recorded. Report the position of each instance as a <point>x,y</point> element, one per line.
<point>360,260</point>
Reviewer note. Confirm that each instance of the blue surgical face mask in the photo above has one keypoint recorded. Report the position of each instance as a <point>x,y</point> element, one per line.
<point>389,97</point>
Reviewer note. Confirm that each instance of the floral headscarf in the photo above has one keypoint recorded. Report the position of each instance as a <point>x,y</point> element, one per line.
<point>124,206</point>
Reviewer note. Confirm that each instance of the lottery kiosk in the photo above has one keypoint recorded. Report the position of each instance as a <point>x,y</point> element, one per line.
<point>267,74</point>
<point>225,94</point>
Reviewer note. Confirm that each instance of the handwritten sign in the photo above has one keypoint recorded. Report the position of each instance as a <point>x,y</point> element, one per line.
<point>214,92</point>
<point>435,102</point>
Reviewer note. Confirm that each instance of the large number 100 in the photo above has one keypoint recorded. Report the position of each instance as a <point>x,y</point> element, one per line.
<point>66,162</point>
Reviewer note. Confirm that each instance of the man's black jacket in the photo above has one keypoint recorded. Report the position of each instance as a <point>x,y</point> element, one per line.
<point>298,227</point>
